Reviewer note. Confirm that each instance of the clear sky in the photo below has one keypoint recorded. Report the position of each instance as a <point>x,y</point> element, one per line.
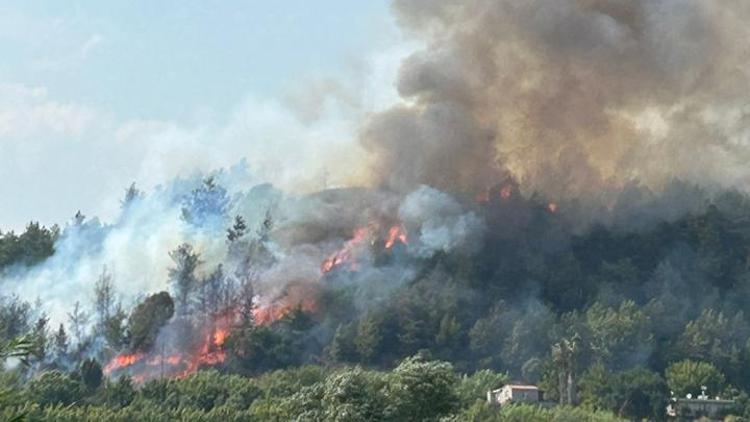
<point>96,94</point>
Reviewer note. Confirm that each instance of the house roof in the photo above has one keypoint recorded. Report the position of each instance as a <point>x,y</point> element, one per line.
<point>522,386</point>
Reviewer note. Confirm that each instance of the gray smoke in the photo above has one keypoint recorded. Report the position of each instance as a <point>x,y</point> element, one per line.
<point>569,96</point>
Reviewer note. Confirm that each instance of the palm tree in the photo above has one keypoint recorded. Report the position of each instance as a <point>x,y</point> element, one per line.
<point>20,348</point>
<point>565,354</point>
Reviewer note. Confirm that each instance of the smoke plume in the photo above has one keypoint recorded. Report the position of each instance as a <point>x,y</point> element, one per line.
<point>568,96</point>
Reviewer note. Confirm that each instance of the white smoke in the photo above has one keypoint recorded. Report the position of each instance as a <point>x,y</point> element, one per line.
<point>441,222</point>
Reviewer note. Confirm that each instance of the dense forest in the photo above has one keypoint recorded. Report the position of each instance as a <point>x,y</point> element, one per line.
<point>626,307</point>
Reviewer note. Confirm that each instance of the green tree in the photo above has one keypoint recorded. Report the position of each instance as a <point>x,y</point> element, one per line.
<point>114,329</point>
<point>618,337</point>
<point>488,335</point>
<point>91,374</point>
<point>449,331</point>
<point>53,388</point>
<point>60,343</point>
<point>256,349</point>
<point>78,319</point>
<point>420,390</point>
<point>182,276</point>
<point>716,338</point>
<point>342,347</point>
<point>353,395</point>
<point>689,376</point>
<point>471,388</point>
<point>118,394</point>
<point>34,245</point>
<point>15,317</point>
<point>369,337</point>
<point>635,393</point>
<point>147,319</point>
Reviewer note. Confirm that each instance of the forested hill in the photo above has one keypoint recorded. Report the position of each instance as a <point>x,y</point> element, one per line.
<point>629,309</point>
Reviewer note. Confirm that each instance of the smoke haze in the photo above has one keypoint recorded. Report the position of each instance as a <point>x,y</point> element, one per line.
<point>568,96</point>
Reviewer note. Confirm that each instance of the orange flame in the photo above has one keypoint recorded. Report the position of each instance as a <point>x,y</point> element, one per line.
<point>181,363</point>
<point>396,234</point>
<point>282,307</point>
<point>210,349</point>
<point>506,191</point>
<point>346,253</point>
<point>220,336</point>
<point>122,361</point>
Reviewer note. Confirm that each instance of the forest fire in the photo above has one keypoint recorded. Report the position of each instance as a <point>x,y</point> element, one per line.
<point>396,234</point>
<point>122,361</point>
<point>220,336</point>
<point>175,365</point>
<point>210,349</point>
<point>276,311</point>
<point>345,254</point>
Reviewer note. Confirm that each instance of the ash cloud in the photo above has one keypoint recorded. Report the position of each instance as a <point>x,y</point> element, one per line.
<point>569,96</point>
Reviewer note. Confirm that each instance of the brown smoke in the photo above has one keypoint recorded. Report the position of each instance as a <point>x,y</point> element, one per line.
<point>569,96</point>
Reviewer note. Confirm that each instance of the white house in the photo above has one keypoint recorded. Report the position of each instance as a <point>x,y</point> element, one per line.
<point>515,393</point>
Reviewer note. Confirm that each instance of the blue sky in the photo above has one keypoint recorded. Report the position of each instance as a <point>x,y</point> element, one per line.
<point>95,94</point>
<point>166,59</point>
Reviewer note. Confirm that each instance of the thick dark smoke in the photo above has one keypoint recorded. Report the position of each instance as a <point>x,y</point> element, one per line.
<point>568,96</point>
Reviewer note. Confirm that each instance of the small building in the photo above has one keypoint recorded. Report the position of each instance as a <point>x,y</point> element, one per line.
<point>702,407</point>
<point>515,393</point>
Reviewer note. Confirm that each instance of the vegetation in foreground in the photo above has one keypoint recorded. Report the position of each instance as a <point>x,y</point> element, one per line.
<point>417,389</point>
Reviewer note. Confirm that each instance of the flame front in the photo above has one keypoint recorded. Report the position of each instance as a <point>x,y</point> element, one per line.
<point>210,351</point>
<point>396,234</point>
<point>346,254</point>
<point>122,361</point>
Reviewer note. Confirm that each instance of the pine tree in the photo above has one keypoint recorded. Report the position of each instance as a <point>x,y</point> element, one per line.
<point>40,336</point>
<point>182,276</point>
<point>246,304</point>
<point>60,343</point>
<point>104,294</point>
<point>206,205</point>
<point>114,327</point>
<point>79,218</point>
<point>342,348</point>
<point>91,374</point>
<point>132,194</point>
<point>78,319</point>
<point>369,338</point>
<point>237,230</point>
<point>211,291</point>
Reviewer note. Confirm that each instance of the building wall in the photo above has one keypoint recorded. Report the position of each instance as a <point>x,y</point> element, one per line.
<point>508,394</point>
